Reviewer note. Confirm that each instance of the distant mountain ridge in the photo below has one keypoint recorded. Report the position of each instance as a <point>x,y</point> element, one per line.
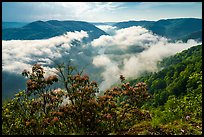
<point>48,29</point>
<point>170,28</point>
<point>131,23</point>
<point>174,29</point>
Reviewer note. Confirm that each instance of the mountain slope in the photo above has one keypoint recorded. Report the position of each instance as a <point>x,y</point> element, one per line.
<point>174,78</point>
<point>194,35</point>
<point>170,28</point>
<point>48,29</point>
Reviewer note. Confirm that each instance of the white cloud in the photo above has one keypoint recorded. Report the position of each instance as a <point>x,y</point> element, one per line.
<point>108,29</point>
<point>86,11</point>
<point>110,75</point>
<point>101,60</point>
<point>124,38</point>
<point>133,65</point>
<point>147,60</point>
<point>103,40</point>
<point>18,54</point>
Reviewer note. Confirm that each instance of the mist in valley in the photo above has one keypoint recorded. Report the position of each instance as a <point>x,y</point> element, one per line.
<point>129,52</point>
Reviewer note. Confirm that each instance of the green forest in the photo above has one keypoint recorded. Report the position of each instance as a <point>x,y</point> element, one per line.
<point>167,102</point>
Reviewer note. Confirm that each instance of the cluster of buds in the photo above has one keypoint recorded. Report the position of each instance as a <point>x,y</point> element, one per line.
<point>32,85</point>
<point>85,78</point>
<point>104,97</point>
<point>141,85</point>
<point>57,91</point>
<point>49,80</point>
<point>126,85</point>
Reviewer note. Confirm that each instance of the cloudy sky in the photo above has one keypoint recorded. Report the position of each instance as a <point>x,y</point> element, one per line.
<point>99,11</point>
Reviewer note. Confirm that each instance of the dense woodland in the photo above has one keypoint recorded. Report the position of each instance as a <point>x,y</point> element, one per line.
<point>168,102</point>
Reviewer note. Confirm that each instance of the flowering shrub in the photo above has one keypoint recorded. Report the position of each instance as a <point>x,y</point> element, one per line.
<point>121,107</point>
<point>75,109</point>
<point>37,83</point>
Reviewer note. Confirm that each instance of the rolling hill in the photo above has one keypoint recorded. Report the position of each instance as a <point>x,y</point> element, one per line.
<point>48,29</point>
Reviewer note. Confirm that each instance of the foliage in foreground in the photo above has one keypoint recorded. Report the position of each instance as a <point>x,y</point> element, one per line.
<point>73,110</point>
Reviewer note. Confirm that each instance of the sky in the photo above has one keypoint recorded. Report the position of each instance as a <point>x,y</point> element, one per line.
<point>99,11</point>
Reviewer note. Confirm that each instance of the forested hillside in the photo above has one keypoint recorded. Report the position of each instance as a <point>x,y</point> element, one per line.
<point>177,92</point>
<point>168,102</point>
<point>176,76</point>
<point>174,29</point>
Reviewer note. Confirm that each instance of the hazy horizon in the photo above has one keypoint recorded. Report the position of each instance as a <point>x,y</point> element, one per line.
<point>98,22</point>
